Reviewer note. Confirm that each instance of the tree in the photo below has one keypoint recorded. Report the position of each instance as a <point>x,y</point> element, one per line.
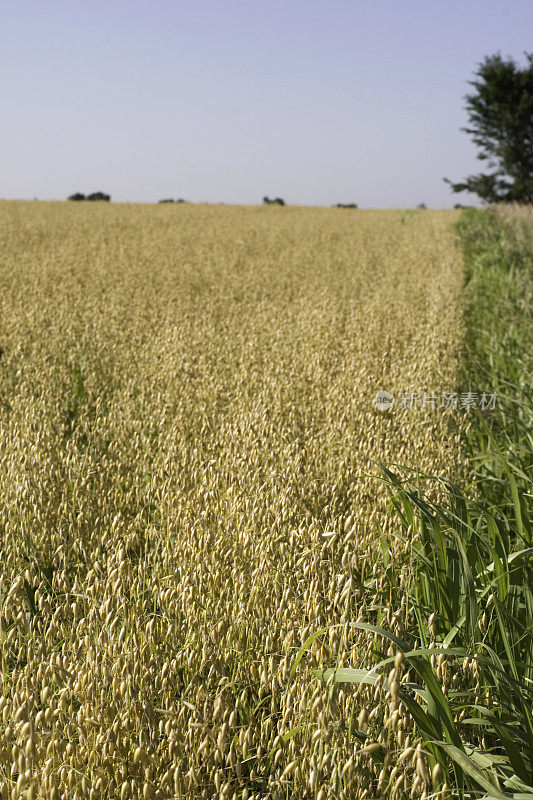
<point>500,112</point>
<point>99,196</point>
<point>77,196</point>
<point>345,205</point>
<point>278,201</point>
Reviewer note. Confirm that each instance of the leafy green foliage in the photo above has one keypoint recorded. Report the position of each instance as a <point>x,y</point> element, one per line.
<point>500,112</point>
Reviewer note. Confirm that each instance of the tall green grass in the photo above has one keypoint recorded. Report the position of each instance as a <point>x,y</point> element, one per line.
<point>471,596</point>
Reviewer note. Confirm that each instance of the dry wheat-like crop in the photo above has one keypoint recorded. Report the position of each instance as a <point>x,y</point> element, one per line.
<point>187,422</point>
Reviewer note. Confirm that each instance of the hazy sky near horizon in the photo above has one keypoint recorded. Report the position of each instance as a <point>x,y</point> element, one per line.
<point>229,100</point>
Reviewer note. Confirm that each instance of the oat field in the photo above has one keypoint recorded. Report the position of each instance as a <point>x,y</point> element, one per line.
<point>188,441</point>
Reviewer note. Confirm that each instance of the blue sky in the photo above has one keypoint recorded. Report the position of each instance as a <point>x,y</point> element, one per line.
<point>229,100</point>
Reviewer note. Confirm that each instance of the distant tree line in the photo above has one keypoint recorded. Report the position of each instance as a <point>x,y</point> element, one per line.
<point>93,196</point>
<point>278,201</point>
